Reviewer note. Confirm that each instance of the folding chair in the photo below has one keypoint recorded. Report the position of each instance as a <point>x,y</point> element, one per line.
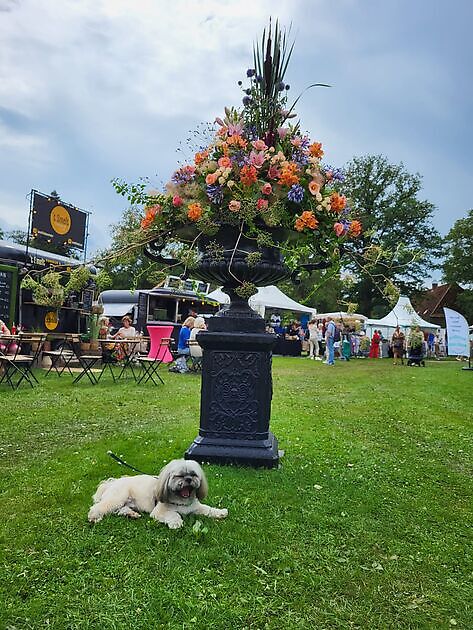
<point>20,363</point>
<point>195,356</point>
<point>86,362</point>
<point>150,364</point>
<point>62,357</point>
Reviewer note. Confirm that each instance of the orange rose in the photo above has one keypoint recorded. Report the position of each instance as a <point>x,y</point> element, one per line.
<point>194,211</point>
<point>211,179</point>
<point>314,187</point>
<point>337,202</point>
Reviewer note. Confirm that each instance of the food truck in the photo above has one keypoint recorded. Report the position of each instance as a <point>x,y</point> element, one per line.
<point>17,306</point>
<point>166,305</point>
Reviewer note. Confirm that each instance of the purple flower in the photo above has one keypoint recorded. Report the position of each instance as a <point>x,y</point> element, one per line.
<point>183,175</point>
<point>300,157</point>
<point>246,101</point>
<point>250,72</point>
<point>338,175</point>
<point>215,194</point>
<point>281,86</point>
<point>296,193</point>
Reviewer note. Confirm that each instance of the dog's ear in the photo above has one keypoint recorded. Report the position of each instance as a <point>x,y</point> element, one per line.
<point>162,487</point>
<point>203,489</point>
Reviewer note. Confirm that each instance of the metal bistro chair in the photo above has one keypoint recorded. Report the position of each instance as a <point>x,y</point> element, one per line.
<point>86,362</point>
<point>150,364</point>
<point>63,355</point>
<point>20,364</point>
<point>195,356</point>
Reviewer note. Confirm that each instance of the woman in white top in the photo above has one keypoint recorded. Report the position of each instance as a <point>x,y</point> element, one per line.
<point>127,331</point>
<point>199,325</point>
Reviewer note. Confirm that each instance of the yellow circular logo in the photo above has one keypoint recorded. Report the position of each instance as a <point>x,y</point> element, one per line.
<point>51,320</point>
<point>60,220</point>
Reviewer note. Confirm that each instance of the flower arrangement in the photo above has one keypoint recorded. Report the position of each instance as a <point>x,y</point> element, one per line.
<point>259,173</point>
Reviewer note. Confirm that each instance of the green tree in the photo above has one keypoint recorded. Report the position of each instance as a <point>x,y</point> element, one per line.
<point>458,265</point>
<point>315,291</point>
<point>131,268</point>
<point>399,244</point>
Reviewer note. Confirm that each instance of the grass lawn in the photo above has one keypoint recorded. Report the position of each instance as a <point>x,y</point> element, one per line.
<point>367,523</point>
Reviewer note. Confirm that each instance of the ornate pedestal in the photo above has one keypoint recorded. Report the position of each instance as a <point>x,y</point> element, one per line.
<point>235,403</point>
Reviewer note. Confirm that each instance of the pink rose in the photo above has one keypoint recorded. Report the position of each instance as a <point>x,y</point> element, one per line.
<point>338,229</point>
<point>262,204</point>
<point>177,201</point>
<point>234,205</point>
<point>211,179</point>
<point>225,162</point>
<point>267,189</point>
<point>314,187</point>
<point>259,145</point>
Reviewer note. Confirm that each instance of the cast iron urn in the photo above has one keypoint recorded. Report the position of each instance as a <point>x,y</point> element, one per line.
<point>236,389</point>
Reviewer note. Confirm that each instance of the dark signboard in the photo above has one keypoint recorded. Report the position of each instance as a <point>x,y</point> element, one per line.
<point>87,299</point>
<point>57,222</point>
<point>8,288</point>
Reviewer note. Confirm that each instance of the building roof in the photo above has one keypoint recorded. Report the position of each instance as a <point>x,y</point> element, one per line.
<point>431,302</point>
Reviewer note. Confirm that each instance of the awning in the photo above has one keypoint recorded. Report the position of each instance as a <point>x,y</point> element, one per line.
<point>116,309</point>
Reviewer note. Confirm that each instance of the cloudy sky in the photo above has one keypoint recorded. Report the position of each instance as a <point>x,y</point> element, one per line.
<point>96,89</point>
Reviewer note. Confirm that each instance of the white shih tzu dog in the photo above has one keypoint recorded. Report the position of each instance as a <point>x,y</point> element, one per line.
<point>167,498</point>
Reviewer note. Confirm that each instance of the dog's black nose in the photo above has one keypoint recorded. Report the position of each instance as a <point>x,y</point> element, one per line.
<point>188,479</point>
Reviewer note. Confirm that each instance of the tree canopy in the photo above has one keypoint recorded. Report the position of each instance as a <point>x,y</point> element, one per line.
<point>458,265</point>
<point>399,244</point>
<point>131,268</point>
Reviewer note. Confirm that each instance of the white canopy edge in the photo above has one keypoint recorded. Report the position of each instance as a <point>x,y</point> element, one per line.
<point>267,297</point>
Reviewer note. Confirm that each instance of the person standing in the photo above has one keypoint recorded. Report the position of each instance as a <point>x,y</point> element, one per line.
<point>374,348</point>
<point>330,341</point>
<point>313,339</point>
<point>398,341</point>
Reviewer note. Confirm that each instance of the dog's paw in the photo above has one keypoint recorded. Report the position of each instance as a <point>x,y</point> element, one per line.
<point>94,515</point>
<point>175,523</point>
<point>223,513</point>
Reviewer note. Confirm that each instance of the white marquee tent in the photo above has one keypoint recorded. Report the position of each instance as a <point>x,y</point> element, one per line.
<point>267,297</point>
<point>402,315</point>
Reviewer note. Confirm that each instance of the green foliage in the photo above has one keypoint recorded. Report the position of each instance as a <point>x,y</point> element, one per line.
<point>78,279</point>
<point>399,243</point>
<point>458,265</point>
<point>465,304</point>
<point>366,524</point>
<point>127,267</point>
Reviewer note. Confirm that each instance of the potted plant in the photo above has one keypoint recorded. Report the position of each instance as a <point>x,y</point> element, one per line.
<point>255,206</point>
<point>85,342</point>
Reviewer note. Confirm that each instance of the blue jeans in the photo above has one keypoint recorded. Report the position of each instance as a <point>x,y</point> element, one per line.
<point>181,363</point>
<point>330,351</point>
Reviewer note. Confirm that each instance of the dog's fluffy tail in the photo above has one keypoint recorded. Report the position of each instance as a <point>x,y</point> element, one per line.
<point>101,489</point>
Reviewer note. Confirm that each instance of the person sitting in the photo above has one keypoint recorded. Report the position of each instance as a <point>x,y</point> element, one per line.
<point>195,348</point>
<point>127,331</point>
<point>6,346</point>
<point>293,332</point>
<point>183,347</point>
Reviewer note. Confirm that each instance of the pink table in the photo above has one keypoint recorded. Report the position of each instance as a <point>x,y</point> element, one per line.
<point>156,351</point>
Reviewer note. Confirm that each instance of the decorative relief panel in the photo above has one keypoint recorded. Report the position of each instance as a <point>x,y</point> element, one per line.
<point>234,403</point>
